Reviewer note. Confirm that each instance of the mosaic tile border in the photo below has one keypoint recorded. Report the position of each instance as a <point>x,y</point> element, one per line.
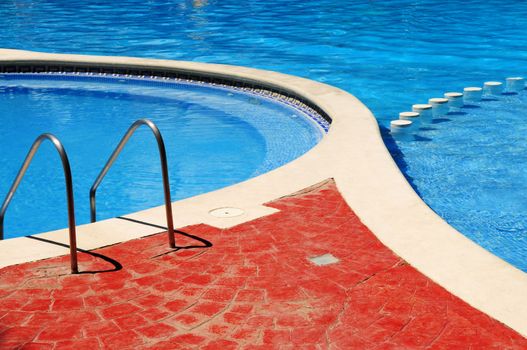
<point>158,77</point>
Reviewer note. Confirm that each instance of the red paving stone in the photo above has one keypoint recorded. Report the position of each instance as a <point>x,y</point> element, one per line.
<point>253,289</point>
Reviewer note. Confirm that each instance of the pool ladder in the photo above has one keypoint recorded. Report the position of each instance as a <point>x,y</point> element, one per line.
<point>164,173</point>
<point>69,192</point>
<point>69,183</point>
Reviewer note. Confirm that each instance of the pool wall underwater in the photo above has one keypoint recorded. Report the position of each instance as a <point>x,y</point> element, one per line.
<point>352,153</point>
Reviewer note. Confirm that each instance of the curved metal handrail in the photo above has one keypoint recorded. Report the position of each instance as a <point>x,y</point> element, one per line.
<point>69,192</point>
<point>164,172</point>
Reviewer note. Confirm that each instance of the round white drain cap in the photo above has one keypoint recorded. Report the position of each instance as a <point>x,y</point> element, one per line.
<point>226,212</point>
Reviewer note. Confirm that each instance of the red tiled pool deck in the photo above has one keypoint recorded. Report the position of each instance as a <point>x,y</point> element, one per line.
<point>254,288</point>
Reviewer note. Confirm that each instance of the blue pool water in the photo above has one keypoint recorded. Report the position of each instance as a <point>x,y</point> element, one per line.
<point>390,54</point>
<point>469,166</point>
<point>214,137</point>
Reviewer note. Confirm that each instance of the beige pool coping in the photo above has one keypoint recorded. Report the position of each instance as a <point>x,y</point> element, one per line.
<point>352,153</point>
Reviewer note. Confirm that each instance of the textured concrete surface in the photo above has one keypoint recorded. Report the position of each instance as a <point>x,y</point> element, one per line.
<point>247,287</point>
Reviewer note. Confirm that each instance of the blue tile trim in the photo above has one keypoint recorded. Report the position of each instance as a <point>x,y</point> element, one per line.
<point>165,75</point>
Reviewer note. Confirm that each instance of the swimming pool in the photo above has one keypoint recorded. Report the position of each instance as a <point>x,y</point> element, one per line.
<point>215,136</point>
<point>388,54</point>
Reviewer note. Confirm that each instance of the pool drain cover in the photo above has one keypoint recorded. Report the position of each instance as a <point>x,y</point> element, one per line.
<point>325,259</point>
<point>226,212</point>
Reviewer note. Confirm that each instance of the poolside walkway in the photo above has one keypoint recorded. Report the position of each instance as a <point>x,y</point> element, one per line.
<point>254,288</point>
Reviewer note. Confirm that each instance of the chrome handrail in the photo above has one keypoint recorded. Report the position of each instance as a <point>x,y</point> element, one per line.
<point>164,172</point>
<point>69,192</point>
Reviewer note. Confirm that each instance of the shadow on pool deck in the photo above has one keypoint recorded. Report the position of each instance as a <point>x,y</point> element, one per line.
<point>116,264</point>
<point>254,288</point>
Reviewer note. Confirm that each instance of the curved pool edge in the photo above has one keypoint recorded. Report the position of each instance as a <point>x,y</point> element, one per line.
<point>352,153</point>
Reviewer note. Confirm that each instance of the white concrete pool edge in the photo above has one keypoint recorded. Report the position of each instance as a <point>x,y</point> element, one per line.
<point>354,155</point>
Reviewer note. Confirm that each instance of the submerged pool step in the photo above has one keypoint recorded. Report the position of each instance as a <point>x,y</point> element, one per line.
<point>455,99</point>
<point>515,84</point>
<point>424,110</point>
<point>493,87</point>
<point>440,106</point>
<point>472,93</point>
<point>411,116</point>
